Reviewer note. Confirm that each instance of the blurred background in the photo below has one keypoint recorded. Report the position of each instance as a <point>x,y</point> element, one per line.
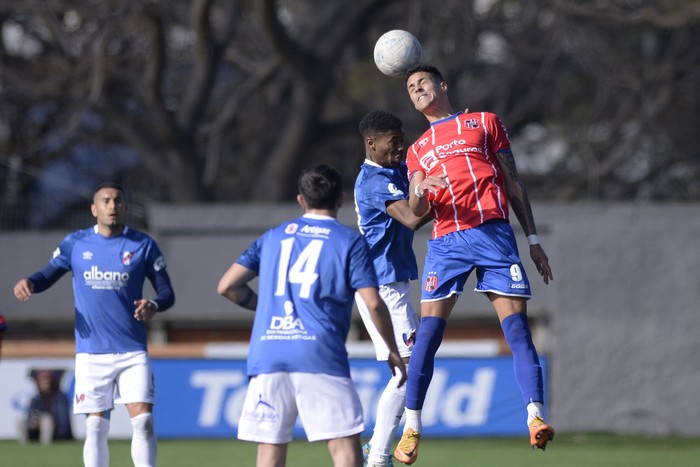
<point>207,110</point>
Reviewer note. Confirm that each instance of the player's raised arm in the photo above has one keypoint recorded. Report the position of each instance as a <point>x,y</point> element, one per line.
<point>520,203</point>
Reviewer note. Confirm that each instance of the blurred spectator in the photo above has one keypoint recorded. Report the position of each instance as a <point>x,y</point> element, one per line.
<point>48,417</point>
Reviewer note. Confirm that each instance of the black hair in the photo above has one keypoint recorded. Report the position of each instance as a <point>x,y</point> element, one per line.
<point>427,69</point>
<point>321,186</point>
<point>378,122</point>
<point>108,184</point>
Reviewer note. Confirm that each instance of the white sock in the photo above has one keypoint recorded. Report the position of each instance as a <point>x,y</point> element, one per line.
<point>534,410</point>
<point>95,449</point>
<point>413,420</point>
<point>143,441</point>
<point>389,412</point>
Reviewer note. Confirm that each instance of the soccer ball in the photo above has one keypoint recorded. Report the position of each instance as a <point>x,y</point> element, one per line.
<point>396,52</point>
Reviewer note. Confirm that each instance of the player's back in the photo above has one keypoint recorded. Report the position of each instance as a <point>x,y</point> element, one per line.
<point>308,270</point>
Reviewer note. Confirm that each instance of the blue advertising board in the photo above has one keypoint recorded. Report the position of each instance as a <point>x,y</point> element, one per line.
<point>467,397</point>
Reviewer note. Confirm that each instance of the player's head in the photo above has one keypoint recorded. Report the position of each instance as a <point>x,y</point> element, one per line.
<point>426,88</point>
<point>430,69</point>
<point>109,205</point>
<point>383,135</point>
<point>321,187</point>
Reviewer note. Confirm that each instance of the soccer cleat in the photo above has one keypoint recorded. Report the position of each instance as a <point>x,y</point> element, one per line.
<point>365,453</point>
<point>540,434</point>
<point>407,449</point>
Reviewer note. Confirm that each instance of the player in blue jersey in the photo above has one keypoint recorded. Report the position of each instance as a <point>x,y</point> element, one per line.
<point>110,263</point>
<point>309,269</point>
<point>387,222</point>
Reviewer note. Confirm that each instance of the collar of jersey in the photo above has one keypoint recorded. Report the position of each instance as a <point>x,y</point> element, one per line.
<point>124,231</point>
<point>319,217</point>
<point>447,118</point>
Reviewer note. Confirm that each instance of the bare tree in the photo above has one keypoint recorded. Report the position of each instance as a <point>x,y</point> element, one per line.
<point>219,100</point>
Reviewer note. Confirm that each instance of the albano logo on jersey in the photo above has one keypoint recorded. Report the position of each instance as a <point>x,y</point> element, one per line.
<point>105,280</point>
<point>287,328</point>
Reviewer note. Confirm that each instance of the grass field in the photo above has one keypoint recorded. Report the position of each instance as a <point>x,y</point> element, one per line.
<point>582,450</point>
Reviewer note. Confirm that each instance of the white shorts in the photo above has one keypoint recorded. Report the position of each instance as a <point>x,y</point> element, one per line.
<point>101,380</point>
<point>328,407</point>
<point>404,318</point>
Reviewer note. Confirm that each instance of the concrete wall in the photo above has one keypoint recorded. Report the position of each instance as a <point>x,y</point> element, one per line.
<point>622,317</point>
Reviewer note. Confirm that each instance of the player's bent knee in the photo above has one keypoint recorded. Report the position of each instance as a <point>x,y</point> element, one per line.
<point>143,423</point>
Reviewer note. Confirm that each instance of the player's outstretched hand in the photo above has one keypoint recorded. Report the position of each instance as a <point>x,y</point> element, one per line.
<point>396,364</point>
<point>432,183</point>
<point>539,257</point>
<point>23,289</point>
<point>145,310</point>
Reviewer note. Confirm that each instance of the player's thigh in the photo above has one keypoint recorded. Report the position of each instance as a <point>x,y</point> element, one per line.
<point>329,406</point>
<point>95,376</point>
<point>135,380</point>
<point>269,409</point>
<point>499,269</point>
<point>404,319</point>
<point>448,263</point>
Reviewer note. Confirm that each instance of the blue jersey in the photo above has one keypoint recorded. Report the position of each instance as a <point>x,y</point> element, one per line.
<point>309,269</point>
<point>108,276</point>
<point>390,242</point>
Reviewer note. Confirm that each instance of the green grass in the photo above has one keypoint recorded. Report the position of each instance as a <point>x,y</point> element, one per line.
<point>580,450</point>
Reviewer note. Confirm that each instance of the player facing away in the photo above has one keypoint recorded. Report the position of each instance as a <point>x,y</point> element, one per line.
<point>387,222</point>
<point>463,172</point>
<point>110,263</point>
<point>308,270</point>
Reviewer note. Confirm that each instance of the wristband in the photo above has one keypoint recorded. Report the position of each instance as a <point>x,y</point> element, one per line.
<point>246,300</point>
<point>533,240</point>
<point>415,192</point>
<point>154,303</point>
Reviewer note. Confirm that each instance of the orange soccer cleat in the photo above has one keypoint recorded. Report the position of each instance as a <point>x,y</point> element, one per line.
<point>407,449</point>
<point>540,434</point>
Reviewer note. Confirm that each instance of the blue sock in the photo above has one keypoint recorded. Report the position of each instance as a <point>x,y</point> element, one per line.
<point>422,363</point>
<point>528,372</point>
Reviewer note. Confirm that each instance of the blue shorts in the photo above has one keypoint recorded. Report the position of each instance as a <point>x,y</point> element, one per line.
<point>490,248</point>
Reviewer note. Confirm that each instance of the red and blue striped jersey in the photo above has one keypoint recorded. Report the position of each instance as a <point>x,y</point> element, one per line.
<point>463,146</point>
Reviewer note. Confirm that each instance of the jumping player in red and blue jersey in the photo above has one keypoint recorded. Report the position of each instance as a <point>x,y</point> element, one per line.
<point>462,171</point>
<point>110,263</point>
<point>387,222</point>
<point>309,269</point>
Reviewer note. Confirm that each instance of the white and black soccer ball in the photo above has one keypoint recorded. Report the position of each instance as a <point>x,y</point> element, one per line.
<point>396,52</point>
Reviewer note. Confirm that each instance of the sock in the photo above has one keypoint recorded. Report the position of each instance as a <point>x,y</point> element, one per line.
<point>528,372</point>
<point>389,411</point>
<point>534,410</point>
<point>413,420</point>
<point>422,363</point>
<point>143,441</point>
<point>95,449</point>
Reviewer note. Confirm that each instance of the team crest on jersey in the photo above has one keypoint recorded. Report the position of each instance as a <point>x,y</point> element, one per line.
<point>291,229</point>
<point>431,283</point>
<point>394,190</point>
<point>471,123</point>
<point>126,257</point>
